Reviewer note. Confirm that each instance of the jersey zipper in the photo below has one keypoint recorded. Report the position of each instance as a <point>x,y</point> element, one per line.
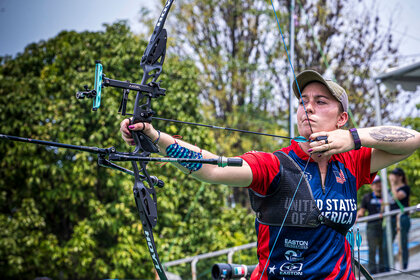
<point>320,176</point>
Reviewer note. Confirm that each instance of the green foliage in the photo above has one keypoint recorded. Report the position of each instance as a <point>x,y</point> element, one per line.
<point>61,214</point>
<point>244,67</point>
<point>232,42</point>
<point>411,165</point>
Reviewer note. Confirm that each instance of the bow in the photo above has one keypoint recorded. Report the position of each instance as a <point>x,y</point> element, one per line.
<point>151,63</point>
<point>149,89</point>
<point>145,197</point>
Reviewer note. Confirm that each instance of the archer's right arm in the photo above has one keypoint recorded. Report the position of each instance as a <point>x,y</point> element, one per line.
<point>230,175</point>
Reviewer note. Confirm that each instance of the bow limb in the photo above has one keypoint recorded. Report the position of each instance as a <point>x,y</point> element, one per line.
<point>145,197</point>
<point>151,63</point>
<point>147,207</point>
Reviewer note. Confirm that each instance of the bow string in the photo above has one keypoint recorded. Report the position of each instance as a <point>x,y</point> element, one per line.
<point>309,158</point>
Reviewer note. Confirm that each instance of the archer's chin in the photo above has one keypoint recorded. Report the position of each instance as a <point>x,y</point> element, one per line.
<point>305,131</point>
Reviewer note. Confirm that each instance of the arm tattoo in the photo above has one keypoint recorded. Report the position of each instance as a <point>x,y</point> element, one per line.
<point>390,134</point>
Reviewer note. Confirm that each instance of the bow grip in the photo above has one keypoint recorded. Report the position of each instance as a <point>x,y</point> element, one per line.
<point>143,142</point>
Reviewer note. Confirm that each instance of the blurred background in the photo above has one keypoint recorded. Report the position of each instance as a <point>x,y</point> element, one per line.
<point>63,217</point>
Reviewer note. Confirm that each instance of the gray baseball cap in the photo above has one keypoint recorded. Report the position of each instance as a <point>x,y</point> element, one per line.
<point>309,76</point>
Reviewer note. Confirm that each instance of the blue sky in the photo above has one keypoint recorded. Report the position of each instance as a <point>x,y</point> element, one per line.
<point>27,21</point>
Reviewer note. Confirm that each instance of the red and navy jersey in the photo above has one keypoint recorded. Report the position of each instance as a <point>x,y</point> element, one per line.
<point>311,253</point>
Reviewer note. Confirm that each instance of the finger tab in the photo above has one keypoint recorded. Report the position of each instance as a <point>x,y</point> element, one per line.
<point>320,138</point>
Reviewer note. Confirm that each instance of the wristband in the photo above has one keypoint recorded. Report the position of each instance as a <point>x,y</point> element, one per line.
<point>356,138</point>
<point>157,140</point>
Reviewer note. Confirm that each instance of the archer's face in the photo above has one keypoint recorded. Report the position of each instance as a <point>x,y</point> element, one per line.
<point>323,110</point>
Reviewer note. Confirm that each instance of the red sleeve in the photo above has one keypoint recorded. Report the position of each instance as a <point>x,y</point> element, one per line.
<point>358,162</point>
<point>264,166</point>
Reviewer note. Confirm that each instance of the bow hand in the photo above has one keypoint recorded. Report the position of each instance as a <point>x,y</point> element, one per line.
<point>143,142</point>
<point>140,132</point>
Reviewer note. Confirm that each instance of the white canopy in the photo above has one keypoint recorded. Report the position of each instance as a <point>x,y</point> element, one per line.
<point>407,77</point>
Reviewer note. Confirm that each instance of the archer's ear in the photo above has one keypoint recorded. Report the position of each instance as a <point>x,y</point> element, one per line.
<point>342,119</point>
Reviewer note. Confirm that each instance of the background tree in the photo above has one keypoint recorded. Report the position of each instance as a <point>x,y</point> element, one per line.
<point>243,64</point>
<point>63,216</point>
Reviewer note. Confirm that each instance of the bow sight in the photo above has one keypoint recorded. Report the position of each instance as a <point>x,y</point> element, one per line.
<point>95,93</point>
<point>151,90</point>
<point>142,113</point>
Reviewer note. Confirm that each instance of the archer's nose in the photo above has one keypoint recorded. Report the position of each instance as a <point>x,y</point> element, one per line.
<point>309,107</point>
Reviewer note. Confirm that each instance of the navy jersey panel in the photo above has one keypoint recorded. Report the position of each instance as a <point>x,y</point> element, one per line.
<point>339,202</point>
<point>311,253</point>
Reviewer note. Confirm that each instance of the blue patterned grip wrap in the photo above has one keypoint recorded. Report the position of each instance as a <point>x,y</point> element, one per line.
<point>177,151</point>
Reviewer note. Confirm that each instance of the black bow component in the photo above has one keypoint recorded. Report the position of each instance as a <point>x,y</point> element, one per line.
<point>147,90</point>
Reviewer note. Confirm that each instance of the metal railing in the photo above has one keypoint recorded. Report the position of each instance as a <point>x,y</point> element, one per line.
<point>231,251</point>
<point>373,217</point>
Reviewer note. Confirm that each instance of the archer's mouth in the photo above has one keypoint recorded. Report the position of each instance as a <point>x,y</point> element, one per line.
<point>308,120</point>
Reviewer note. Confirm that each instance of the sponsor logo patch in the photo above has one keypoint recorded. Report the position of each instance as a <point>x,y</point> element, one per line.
<point>294,256</point>
<point>291,269</point>
<point>296,244</point>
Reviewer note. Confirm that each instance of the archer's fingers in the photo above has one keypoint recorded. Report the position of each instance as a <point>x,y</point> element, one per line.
<point>318,139</point>
<point>320,149</point>
<point>129,140</point>
<point>137,126</point>
<point>314,144</point>
<point>124,128</point>
<point>141,126</point>
<point>125,132</point>
<point>313,136</point>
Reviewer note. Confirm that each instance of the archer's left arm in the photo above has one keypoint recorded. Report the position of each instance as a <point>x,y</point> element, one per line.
<point>390,144</point>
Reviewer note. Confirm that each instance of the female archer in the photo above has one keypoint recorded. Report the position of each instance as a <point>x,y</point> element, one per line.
<point>304,195</point>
